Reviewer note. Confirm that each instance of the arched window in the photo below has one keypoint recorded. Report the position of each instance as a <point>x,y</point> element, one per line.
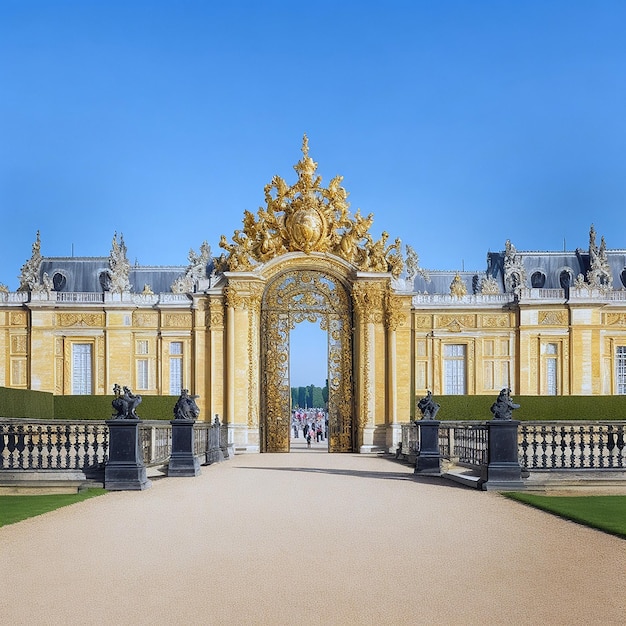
<point>538,280</point>
<point>58,281</point>
<point>105,281</point>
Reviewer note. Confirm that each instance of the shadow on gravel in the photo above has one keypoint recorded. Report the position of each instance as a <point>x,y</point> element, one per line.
<point>430,480</point>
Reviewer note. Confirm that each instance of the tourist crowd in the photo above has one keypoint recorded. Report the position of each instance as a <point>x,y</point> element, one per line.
<point>311,424</point>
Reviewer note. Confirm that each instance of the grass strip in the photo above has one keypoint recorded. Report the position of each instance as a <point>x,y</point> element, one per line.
<point>605,513</point>
<point>17,508</point>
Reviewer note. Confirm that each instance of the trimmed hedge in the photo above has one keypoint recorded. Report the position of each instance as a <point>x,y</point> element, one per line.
<point>26,403</point>
<point>100,408</point>
<point>42,405</point>
<point>534,408</point>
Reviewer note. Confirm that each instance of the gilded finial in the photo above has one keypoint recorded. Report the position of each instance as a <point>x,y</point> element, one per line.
<point>305,145</point>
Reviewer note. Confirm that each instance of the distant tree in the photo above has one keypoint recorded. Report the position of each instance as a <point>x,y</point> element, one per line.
<point>294,397</point>
<point>302,397</point>
<point>325,393</point>
<point>318,398</point>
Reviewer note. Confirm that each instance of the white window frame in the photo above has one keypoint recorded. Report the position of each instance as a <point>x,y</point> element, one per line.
<point>82,369</point>
<point>620,370</point>
<point>176,368</point>
<point>143,374</point>
<point>455,369</point>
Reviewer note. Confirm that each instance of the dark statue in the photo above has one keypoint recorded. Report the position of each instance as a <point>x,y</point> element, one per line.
<point>125,404</point>
<point>428,407</point>
<point>502,408</point>
<point>186,407</point>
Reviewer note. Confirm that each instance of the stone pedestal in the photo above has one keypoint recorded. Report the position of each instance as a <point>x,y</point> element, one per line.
<point>182,460</point>
<point>428,459</point>
<point>503,471</point>
<point>125,469</point>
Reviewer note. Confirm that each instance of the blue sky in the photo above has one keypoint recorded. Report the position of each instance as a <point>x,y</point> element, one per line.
<point>458,124</point>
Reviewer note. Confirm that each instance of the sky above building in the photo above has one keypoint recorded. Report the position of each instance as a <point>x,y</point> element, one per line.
<point>458,124</point>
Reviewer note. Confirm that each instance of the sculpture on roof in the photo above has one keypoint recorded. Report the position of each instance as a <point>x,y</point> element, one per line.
<point>307,217</point>
<point>457,287</point>
<point>599,274</point>
<point>413,265</point>
<point>489,286</point>
<point>29,274</point>
<point>514,271</point>
<point>196,270</point>
<point>120,267</point>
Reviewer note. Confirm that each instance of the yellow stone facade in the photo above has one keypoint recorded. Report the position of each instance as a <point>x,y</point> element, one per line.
<point>305,257</point>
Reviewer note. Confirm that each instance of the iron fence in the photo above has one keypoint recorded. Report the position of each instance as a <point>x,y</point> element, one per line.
<point>542,445</point>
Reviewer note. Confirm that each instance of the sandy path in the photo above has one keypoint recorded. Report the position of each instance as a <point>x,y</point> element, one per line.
<point>308,538</point>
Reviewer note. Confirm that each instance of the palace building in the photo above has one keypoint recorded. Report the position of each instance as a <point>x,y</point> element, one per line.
<point>540,323</point>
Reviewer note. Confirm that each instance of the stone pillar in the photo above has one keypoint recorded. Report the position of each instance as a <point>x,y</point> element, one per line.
<point>182,460</point>
<point>125,469</point>
<point>428,457</point>
<point>503,471</point>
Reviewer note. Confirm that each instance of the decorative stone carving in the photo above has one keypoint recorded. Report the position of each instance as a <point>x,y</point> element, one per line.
<point>457,287</point>
<point>176,320</point>
<point>553,318</point>
<point>489,286</point>
<point>428,407</point>
<point>599,275</point>
<point>447,321</point>
<point>17,318</point>
<point>145,319</point>
<point>413,266</point>
<point>394,315</point>
<point>514,271</point>
<point>197,270</point>
<point>120,267</point>
<point>125,403</point>
<point>94,320</point>
<point>29,274</point>
<point>615,319</point>
<point>368,298</point>
<point>307,217</point>
<point>503,407</point>
<point>186,407</point>
<point>495,321</point>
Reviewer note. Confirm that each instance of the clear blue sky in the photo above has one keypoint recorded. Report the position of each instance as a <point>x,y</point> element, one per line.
<point>458,124</point>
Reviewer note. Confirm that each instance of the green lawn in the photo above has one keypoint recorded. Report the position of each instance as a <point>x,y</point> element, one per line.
<point>16,508</point>
<point>606,513</point>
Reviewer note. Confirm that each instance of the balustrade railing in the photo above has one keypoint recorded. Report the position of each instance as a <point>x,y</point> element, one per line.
<point>83,445</point>
<point>45,445</point>
<point>572,445</point>
<point>542,445</point>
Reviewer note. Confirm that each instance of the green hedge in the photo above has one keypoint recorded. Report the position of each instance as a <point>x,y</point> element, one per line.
<point>100,408</point>
<point>26,403</point>
<point>534,408</point>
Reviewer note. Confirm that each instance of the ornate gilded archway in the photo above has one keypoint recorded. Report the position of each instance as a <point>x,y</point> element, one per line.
<point>293,297</point>
<point>305,256</point>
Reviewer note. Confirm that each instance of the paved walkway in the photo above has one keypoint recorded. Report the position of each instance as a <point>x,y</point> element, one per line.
<point>308,538</point>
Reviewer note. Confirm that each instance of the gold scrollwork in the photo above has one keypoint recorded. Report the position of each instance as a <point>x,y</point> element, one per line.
<point>307,217</point>
<point>552,318</point>
<point>295,296</point>
<point>80,319</point>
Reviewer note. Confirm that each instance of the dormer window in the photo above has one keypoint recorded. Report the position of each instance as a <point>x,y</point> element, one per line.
<point>538,280</point>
